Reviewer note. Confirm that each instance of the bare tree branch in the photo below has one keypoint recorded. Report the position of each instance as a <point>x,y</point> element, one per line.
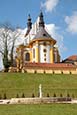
<point>1,52</point>
<point>8,38</point>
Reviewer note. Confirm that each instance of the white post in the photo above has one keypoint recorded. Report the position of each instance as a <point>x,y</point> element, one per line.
<point>40,91</point>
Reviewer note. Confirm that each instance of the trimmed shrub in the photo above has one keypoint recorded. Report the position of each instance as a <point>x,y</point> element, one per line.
<point>68,95</point>
<point>33,95</point>
<point>17,96</point>
<point>61,95</point>
<point>23,96</point>
<point>53,72</point>
<point>5,97</point>
<point>54,95</point>
<point>61,72</point>
<point>35,71</point>
<point>38,94</point>
<point>44,72</point>
<point>48,95</point>
<point>0,96</point>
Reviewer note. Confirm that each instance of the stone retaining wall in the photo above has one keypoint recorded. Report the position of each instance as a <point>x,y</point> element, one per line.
<point>44,70</point>
<point>39,100</point>
<point>49,71</point>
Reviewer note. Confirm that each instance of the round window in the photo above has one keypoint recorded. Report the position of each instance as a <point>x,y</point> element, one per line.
<point>45,50</point>
<point>44,59</point>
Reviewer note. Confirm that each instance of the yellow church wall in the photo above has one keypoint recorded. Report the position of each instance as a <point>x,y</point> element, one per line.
<point>37,52</point>
<point>30,53</point>
<point>51,55</point>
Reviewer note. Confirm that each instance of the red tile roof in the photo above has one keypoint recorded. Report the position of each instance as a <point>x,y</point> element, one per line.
<point>73,58</point>
<point>55,66</point>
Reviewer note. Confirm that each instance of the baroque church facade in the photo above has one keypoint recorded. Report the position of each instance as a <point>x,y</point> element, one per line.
<point>38,45</point>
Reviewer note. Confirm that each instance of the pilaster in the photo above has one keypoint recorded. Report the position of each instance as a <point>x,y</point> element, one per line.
<point>37,52</point>
<point>51,54</point>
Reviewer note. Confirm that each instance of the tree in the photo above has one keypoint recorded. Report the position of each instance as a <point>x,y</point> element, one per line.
<point>8,38</point>
<point>17,96</point>
<point>5,97</point>
<point>54,95</point>
<point>23,96</point>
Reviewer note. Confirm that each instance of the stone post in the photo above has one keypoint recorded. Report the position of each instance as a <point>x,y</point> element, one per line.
<point>40,91</point>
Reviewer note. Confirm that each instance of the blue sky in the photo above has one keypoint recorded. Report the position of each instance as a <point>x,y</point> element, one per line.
<point>62,14</point>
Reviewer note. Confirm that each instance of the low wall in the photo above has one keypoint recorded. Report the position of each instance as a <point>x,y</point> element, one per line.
<point>45,70</point>
<point>49,71</point>
<point>39,100</point>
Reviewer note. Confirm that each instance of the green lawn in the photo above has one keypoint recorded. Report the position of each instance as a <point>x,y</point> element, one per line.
<point>48,109</point>
<point>13,83</point>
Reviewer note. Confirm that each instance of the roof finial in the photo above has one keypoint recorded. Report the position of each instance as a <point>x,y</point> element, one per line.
<point>41,20</point>
<point>29,23</point>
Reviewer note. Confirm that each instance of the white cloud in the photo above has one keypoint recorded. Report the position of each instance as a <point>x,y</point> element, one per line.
<point>71,22</point>
<point>49,5</point>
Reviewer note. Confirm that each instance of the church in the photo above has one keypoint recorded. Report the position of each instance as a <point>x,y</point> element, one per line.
<point>38,53</point>
<point>38,45</point>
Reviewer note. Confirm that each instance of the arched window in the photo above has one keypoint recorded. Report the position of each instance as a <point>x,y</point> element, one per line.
<point>27,57</point>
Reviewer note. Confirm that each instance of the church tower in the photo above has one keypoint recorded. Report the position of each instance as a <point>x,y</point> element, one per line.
<point>42,44</point>
<point>29,25</point>
<point>39,49</point>
<point>41,20</point>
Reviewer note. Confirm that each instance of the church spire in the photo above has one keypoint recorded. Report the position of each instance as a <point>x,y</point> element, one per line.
<point>29,23</point>
<point>41,20</point>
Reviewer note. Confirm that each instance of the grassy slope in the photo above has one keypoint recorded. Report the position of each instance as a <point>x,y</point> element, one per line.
<point>13,83</point>
<point>53,109</point>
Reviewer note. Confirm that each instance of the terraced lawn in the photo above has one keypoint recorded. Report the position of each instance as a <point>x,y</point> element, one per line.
<point>48,109</point>
<point>18,83</point>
